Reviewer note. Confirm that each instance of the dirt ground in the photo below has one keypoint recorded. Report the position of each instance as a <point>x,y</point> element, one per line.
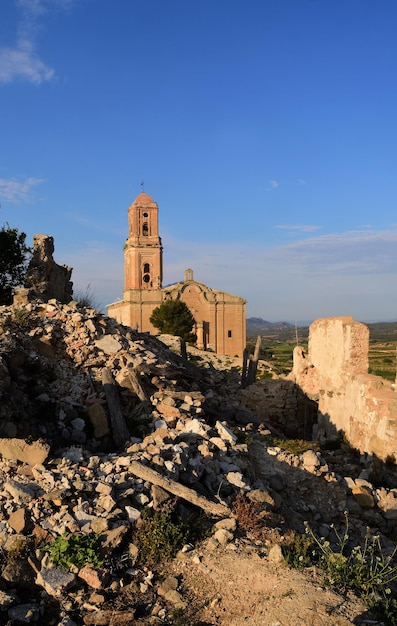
<point>236,588</point>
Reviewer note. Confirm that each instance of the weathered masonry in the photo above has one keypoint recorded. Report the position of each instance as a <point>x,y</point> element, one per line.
<point>335,374</point>
<point>220,317</point>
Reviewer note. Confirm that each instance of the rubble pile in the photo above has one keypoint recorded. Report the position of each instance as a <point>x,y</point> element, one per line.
<point>51,360</point>
<point>189,445</point>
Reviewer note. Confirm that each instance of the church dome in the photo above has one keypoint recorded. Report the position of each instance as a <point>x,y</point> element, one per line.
<point>143,199</point>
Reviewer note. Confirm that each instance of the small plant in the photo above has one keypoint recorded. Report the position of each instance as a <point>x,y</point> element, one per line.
<point>179,618</point>
<point>75,550</point>
<point>298,550</point>
<point>86,299</point>
<point>367,570</point>
<point>18,549</point>
<point>293,446</point>
<point>23,318</point>
<point>248,515</point>
<point>266,374</point>
<point>159,536</point>
<point>254,519</point>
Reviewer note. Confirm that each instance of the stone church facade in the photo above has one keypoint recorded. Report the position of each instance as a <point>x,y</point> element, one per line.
<point>220,317</point>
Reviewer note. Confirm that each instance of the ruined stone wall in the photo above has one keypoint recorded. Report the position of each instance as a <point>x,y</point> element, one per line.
<point>277,403</point>
<point>335,374</point>
<point>45,279</point>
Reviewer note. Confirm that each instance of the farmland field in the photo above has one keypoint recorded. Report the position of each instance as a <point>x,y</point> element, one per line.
<point>277,348</point>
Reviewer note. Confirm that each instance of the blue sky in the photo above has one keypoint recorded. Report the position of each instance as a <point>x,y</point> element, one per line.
<point>266,131</point>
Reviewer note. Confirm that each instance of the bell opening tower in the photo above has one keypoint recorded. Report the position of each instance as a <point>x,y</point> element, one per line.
<point>143,252</point>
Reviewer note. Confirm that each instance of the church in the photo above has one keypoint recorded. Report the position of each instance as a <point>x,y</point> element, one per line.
<point>220,317</point>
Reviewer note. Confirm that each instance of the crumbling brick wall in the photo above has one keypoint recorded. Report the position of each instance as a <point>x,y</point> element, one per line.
<point>335,374</point>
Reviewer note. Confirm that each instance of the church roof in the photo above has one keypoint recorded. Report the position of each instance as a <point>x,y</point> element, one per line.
<point>142,199</point>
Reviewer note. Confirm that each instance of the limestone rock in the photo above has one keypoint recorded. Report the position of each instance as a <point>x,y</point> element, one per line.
<point>363,496</point>
<point>99,421</point>
<point>95,578</point>
<point>25,613</point>
<point>55,581</point>
<point>276,554</point>
<point>19,520</point>
<point>310,461</point>
<point>6,600</point>
<point>225,433</point>
<point>19,491</point>
<point>109,344</point>
<point>31,453</point>
<point>110,618</point>
<point>387,503</point>
<point>18,571</point>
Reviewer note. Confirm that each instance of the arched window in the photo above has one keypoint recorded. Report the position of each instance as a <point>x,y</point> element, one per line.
<point>145,229</point>
<point>188,275</point>
<point>146,273</point>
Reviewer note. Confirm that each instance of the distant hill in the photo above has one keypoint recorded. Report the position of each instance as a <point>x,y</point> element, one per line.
<point>275,331</point>
<point>259,326</point>
<point>383,331</point>
<point>285,331</point>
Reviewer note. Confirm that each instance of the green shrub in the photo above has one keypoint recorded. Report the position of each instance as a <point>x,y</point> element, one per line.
<point>293,446</point>
<point>75,550</point>
<point>14,255</point>
<point>173,317</point>
<point>23,318</point>
<point>159,536</point>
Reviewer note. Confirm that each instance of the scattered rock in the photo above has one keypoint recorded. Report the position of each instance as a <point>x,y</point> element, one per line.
<point>63,473</point>
<point>55,581</point>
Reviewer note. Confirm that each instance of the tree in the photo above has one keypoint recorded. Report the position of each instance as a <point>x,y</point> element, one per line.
<point>13,256</point>
<point>173,317</point>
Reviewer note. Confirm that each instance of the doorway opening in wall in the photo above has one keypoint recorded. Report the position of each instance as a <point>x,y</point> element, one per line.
<point>229,333</point>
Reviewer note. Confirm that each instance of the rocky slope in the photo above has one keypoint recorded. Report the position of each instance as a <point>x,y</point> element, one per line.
<point>98,424</point>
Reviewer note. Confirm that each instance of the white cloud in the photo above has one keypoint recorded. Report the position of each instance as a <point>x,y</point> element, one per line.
<point>15,191</point>
<point>33,7</point>
<point>39,7</point>
<point>23,62</point>
<point>273,183</point>
<point>349,273</point>
<point>304,228</point>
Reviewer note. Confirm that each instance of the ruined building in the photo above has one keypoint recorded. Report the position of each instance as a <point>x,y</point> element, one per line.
<point>45,279</point>
<point>334,373</point>
<point>330,393</point>
<point>220,316</point>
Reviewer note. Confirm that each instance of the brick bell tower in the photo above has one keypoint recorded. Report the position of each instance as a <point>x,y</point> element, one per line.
<point>143,252</point>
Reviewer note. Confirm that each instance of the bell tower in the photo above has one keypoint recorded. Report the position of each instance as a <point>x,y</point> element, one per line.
<point>143,252</point>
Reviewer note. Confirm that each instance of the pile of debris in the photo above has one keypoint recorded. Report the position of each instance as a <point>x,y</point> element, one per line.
<point>99,423</point>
